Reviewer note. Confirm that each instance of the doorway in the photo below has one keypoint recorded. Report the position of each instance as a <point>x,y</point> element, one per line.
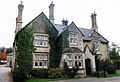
<point>88,66</point>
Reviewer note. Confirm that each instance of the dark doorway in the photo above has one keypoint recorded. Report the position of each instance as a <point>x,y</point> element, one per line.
<point>88,66</point>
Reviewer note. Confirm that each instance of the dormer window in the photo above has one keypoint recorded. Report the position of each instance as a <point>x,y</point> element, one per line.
<point>41,40</point>
<point>73,38</point>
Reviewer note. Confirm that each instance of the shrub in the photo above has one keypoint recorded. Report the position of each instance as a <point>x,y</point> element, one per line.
<point>111,68</point>
<point>117,63</point>
<point>18,75</point>
<point>94,74</point>
<point>39,73</point>
<point>56,73</point>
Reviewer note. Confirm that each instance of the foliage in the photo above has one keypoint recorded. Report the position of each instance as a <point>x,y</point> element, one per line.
<point>111,68</point>
<point>114,54</point>
<point>24,55</point>
<point>63,42</point>
<point>114,75</point>
<point>56,73</point>
<point>117,63</point>
<point>2,49</point>
<point>9,50</point>
<point>3,55</point>
<point>18,75</point>
<point>53,56</point>
<point>39,73</point>
<point>47,73</point>
<point>71,73</point>
<point>65,66</point>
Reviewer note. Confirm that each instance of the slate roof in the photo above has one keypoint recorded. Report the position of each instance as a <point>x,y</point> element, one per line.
<point>85,32</point>
<point>60,28</point>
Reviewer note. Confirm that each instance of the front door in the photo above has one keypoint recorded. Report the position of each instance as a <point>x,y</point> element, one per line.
<point>88,66</point>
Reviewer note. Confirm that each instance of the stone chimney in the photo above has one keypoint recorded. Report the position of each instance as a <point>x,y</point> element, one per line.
<point>51,12</point>
<point>94,22</point>
<point>19,17</point>
<point>64,22</point>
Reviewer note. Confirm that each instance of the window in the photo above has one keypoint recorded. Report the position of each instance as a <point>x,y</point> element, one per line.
<point>76,64</point>
<point>69,56</point>
<point>36,43</point>
<point>40,61</point>
<point>36,63</point>
<point>70,64</point>
<point>75,57</point>
<point>80,64</point>
<point>45,64</point>
<point>78,60</point>
<point>36,57</point>
<point>73,38</point>
<point>41,40</point>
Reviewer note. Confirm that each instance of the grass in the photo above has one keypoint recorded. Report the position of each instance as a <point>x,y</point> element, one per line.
<point>46,80</point>
<point>114,75</point>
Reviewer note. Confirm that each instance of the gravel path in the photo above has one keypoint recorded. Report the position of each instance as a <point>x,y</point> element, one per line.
<point>4,74</point>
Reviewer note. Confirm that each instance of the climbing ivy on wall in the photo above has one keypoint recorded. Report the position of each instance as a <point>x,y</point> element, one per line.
<point>25,48</point>
<point>53,33</point>
<point>63,42</point>
<point>57,44</point>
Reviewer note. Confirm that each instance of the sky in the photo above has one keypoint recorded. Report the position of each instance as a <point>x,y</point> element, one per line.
<point>78,11</point>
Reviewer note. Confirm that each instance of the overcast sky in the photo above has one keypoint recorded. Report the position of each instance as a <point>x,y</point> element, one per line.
<point>79,11</point>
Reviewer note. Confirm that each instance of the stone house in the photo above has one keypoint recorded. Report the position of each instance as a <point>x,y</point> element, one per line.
<point>81,42</point>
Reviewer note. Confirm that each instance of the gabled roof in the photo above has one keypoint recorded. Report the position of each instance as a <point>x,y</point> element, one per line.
<point>61,28</point>
<point>76,27</point>
<point>42,14</point>
<point>87,33</point>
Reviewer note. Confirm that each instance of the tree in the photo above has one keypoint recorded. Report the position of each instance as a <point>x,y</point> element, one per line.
<point>3,55</point>
<point>114,54</point>
<point>114,50</point>
<point>24,54</point>
<point>9,50</point>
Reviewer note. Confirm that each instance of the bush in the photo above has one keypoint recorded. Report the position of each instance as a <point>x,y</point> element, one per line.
<point>111,68</point>
<point>56,73</point>
<point>18,75</point>
<point>39,73</point>
<point>94,74</point>
<point>117,63</point>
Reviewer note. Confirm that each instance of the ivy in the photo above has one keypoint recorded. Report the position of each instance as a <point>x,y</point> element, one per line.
<point>63,42</point>
<point>25,48</point>
<point>52,32</point>
<point>57,44</point>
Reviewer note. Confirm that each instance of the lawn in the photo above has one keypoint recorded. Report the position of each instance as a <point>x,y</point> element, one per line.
<point>114,75</point>
<point>46,80</point>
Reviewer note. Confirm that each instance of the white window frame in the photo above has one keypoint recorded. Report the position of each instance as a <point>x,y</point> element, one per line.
<point>73,38</point>
<point>70,64</point>
<point>40,58</point>
<point>41,40</point>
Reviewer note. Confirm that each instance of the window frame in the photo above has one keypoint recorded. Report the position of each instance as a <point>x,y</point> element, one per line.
<point>73,38</point>
<point>41,40</point>
<point>40,58</point>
